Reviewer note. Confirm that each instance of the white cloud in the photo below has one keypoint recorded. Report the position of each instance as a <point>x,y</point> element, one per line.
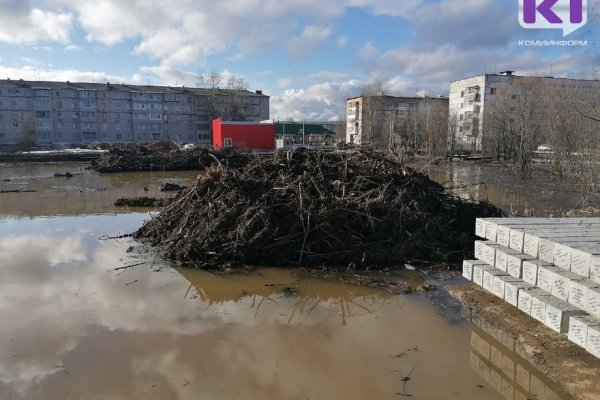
<point>368,51</point>
<point>284,83</point>
<point>33,73</point>
<point>341,41</point>
<point>20,24</point>
<point>311,39</point>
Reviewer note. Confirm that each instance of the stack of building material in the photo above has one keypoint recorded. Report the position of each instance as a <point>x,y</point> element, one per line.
<point>547,267</point>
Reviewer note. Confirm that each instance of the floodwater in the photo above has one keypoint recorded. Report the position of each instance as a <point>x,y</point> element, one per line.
<point>81,317</point>
<point>541,194</point>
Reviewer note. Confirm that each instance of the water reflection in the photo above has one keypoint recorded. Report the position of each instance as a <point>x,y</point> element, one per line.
<point>72,326</point>
<point>499,359</point>
<point>87,192</point>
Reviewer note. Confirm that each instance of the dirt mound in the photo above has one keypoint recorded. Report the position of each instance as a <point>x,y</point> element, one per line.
<point>164,156</point>
<point>312,209</point>
<point>140,202</point>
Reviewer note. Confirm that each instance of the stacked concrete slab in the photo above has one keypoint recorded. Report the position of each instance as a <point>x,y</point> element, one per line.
<point>547,267</point>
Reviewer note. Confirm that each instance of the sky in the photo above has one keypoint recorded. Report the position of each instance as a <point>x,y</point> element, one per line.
<point>309,56</point>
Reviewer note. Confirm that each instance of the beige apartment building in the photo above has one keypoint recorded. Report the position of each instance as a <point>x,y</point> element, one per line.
<point>385,121</point>
<point>73,113</point>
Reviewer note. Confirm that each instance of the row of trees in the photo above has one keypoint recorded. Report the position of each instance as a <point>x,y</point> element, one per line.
<point>538,111</point>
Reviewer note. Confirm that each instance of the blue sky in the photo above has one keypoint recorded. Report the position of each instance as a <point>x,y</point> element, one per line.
<point>308,55</point>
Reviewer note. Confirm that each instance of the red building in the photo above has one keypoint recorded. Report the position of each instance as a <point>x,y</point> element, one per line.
<point>243,135</point>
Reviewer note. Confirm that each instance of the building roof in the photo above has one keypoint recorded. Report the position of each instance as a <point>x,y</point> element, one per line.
<point>408,97</point>
<point>296,128</point>
<point>122,87</point>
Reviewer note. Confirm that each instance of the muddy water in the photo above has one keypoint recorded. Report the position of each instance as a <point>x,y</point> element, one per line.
<point>87,192</point>
<point>541,194</point>
<point>83,318</point>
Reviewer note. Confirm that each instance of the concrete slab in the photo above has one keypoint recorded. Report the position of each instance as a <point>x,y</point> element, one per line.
<point>511,291</point>
<point>595,269</point>
<point>468,268</point>
<point>593,340</point>
<point>593,302</point>
<point>530,270</point>
<point>526,296</point>
<point>578,329</point>
<point>578,293</point>
<point>561,286</point>
<point>478,270</point>
<point>538,306</point>
<point>547,275</point>
<point>502,254</point>
<point>489,279</point>
<point>500,283</point>
<point>486,251</point>
<point>558,314</point>
<point>515,264</point>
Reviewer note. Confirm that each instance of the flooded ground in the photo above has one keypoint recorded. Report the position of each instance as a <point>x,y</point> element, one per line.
<point>84,318</point>
<point>541,194</point>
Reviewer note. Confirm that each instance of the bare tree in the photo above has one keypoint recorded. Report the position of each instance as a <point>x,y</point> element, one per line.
<point>26,136</point>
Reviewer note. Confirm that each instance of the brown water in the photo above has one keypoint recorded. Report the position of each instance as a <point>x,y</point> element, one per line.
<point>541,194</point>
<point>75,325</point>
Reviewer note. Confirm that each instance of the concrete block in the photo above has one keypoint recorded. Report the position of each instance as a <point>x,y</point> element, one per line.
<point>593,302</point>
<point>511,291</point>
<point>547,275</point>
<point>538,306</point>
<point>516,240</point>
<point>562,284</point>
<point>523,377</point>
<point>480,226</point>
<point>478,271</point>
<point>525,297</point>
<point>508,341</point>
<point>515,264</point>
<point>595,269</point>
<point>546,250</point>
<point>558,314</point>
<point>468,268</point>
<point>530,270</point>
<point>488,279</point>
<point>578,293</point>
<point>503,235</point>
<point>562,256</point>
<point>593,340</point>
<point>500,282</point>
<point>488,252</point>
<point>491,230</point>
<point>502,254</point>
<point>578,328</point>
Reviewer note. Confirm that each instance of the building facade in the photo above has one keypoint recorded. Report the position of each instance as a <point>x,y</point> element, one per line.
<point>56,114</point>
<point>482,106</point>
<point>380,120</point>
<point>243,135</point>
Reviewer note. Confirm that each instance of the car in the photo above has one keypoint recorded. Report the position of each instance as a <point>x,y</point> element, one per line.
<point>544,147</point>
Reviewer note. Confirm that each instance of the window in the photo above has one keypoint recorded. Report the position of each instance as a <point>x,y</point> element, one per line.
<point>42,103</point>
<point>15,124</point>
<point>118,127</point>
<point>118,136</point>
<point>59,104</point>
<point>44,124</point>
<point>462,93</point>
<point>42,114</point>
<point>493,90</point>
<point>13,104</point>
<point>514,96</point>
<point>59,125</point>
<point>227,142</point>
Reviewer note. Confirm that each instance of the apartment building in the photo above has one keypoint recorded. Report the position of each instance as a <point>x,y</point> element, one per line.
<point>479,105</point>
<point>380,119</point>
<point>74,113</point>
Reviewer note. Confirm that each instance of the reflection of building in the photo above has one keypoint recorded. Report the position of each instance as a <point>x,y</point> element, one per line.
<point>476,103</point>
<point>307,132</point>
<point>68,113</point>
<point>243,135</point>
<point>374,119</point>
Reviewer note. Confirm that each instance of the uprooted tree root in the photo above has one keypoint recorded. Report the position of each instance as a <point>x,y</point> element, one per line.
<point>313,209</point>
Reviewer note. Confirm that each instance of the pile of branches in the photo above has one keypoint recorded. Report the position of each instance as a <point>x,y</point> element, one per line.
<point>314,209</point>
<point>164,156</point>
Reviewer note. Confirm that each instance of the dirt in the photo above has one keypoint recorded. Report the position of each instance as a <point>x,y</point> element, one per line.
<point>140,202</point>
<point>304,208</point>
<point>569,366</point>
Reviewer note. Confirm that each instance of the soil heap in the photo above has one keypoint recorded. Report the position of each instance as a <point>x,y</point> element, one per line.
<point>163,156</point>
<point>312,209</point>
